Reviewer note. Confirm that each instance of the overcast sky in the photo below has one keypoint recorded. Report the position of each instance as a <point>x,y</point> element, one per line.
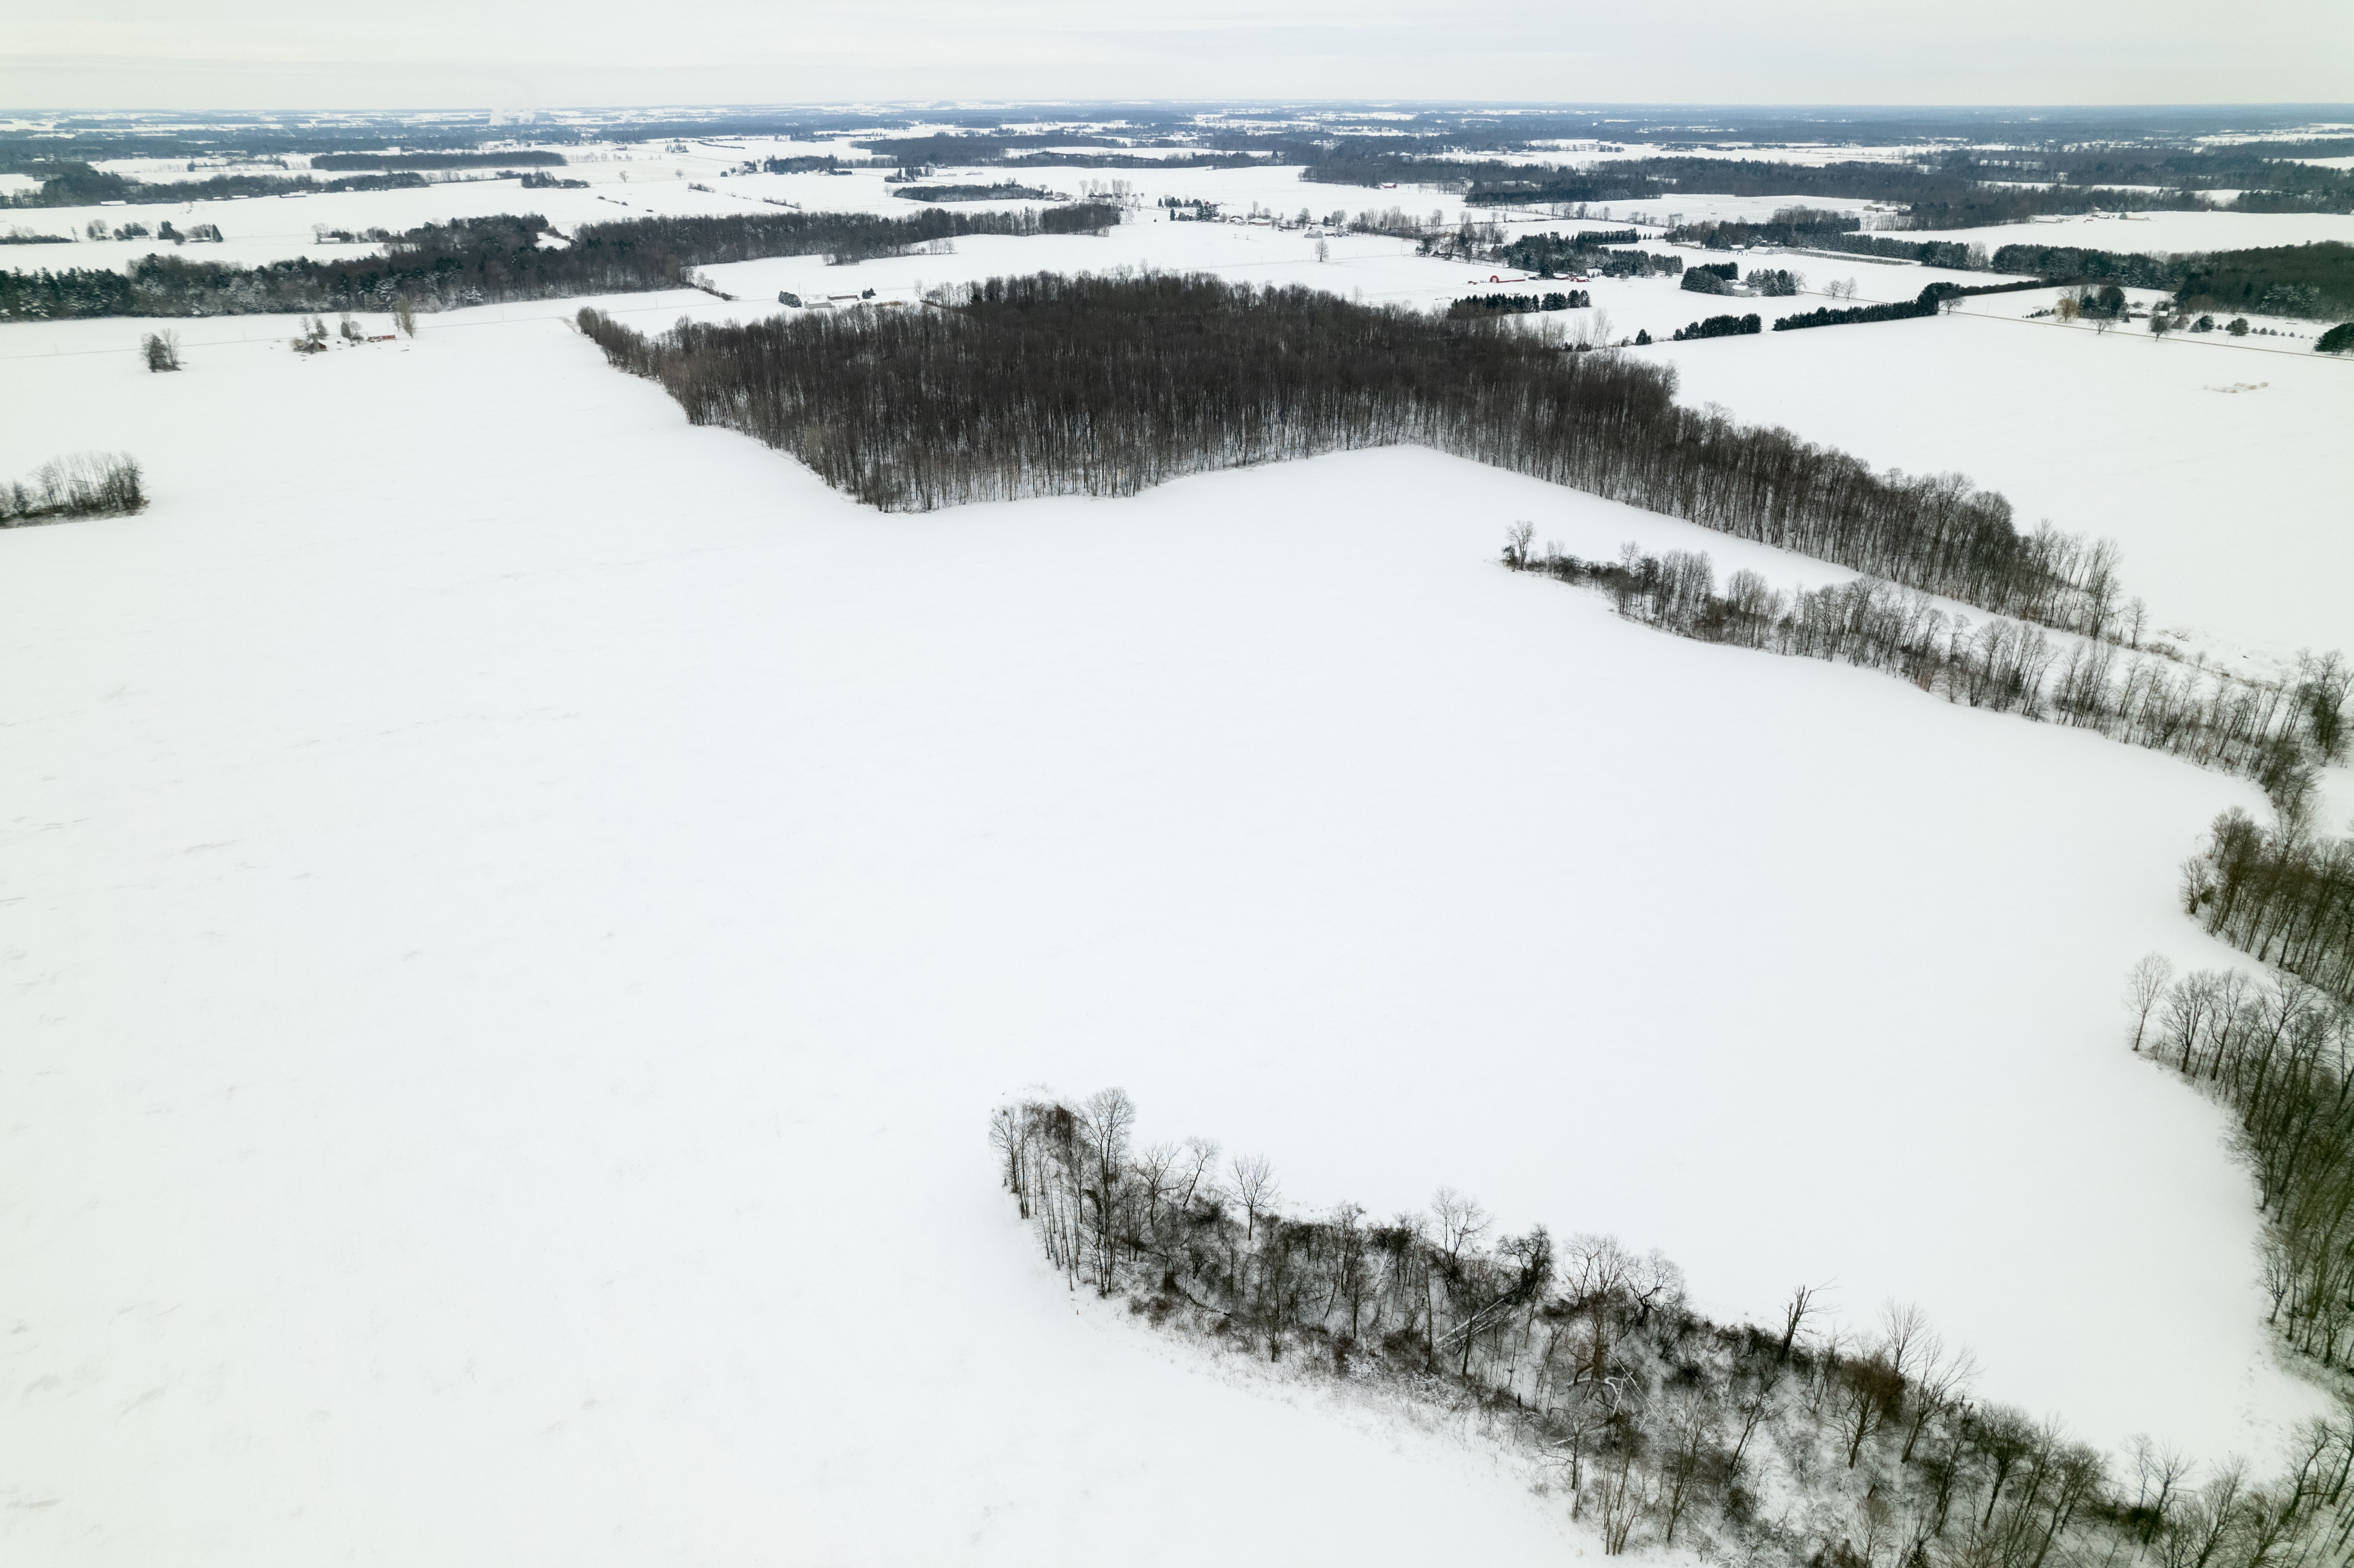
<point>425,54</point>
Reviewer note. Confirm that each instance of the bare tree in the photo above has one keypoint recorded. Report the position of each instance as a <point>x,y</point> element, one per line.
<point>1200,1156</point>
<point>1794,1314</point>
<point>1940,1381</point>
<point>2145,989</point>
<point>1694,1426</point>
<point>1461,1220</point>
<point>1516,544</point>
<point>1254,1186</point>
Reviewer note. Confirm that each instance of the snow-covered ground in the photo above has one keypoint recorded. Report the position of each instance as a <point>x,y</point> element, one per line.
<point>2158,233</point>
<point>2205,455</point>
<point>517,910</point>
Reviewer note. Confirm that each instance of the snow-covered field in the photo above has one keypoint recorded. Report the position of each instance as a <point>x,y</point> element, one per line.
<point>2162,233</point>
<point>517,910</point>
<point>2205,456</point>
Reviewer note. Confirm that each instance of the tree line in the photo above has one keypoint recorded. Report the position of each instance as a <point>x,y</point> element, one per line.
<point>86,484</point>
<point>1788,226</point>
<point>1519,304</point>
<point>484,260</point>
<point>1794,1441</point>
<point>2278,733</point>
<point>2275,1054</point>
<point>1719,326</point>
<point>79,184</point>
<point>378,163</point>
<point>1003,191</point>
<point>2285,895</point>
<point>1057,385</point>
<point>2315,280</point>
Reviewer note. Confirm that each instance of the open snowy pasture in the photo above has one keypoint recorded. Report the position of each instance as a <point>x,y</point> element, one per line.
<point>2208,458</point>
<point>515,911</point>
<point>2160,233</point>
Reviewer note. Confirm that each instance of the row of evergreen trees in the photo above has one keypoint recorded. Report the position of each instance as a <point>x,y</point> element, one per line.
<point>1720,326</point>
<point>1057,384</point>
<point>471,261</point>
<point>1553,253</point>
<point>1519,304</point>
<point>1785,1444</point>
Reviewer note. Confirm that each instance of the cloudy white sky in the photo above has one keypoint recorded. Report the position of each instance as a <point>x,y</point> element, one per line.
<point>422,54</point>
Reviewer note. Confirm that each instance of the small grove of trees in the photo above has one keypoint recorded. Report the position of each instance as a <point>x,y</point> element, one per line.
<point>2276,1053</point>
<point>86,484</point>
<point>1055,385</point>
<point>1519,304</point>
<point>2276,733</point>
<point>161,350</point>
<point>1550,252</point>
<point>1720,326</point>
<point>2338,339</point>
<point>1768,1444</point>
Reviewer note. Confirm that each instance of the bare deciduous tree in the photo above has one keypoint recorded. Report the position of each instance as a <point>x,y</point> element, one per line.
<point>1255,1189</point>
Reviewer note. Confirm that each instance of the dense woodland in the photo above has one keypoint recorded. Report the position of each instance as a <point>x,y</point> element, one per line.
<point>2315,281</point>
<point>79,184</point>
<point>1000,192</point>
<point>1954,190</point>
<point>473,261</point>
<point>88,484</point>
<point>376,162</point>
<point>1053,384</point>
<point>1793,1443</point>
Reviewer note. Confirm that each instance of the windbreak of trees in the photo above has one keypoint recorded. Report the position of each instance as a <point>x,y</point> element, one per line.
<point>86,484</point>
<point>1053,384</point>
<point>2275,1054</point>
<point>1950,254</point>
<point>1519,305</point>
<point>1795,1442</point>
<point>1851,315</point>
<point>486,260</point>
<point>2314,282</point>
<point>1719,326</point>
<point>2277,733</point>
